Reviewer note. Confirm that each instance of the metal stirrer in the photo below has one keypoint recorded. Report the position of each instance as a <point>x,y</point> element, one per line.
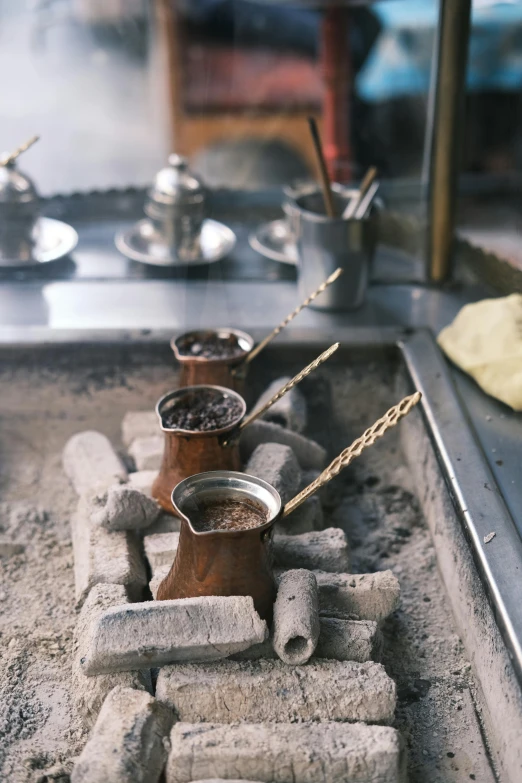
<point>255,351</point>
<point>18,151</point>
<point>282,391</point>
<point>368,438</point>
<point>323,171</point>
<point>354,202</point>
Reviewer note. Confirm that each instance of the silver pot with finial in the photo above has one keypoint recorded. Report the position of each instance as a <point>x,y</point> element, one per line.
<point>19,211</point>
<point>176,207</point>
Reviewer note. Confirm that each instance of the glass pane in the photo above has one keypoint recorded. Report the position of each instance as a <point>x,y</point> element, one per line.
<point>113,86</point>
<point>489,214</point>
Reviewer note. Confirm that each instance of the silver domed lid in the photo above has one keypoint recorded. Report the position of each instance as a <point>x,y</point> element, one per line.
<point>176,184</point>
<point>15,187</point>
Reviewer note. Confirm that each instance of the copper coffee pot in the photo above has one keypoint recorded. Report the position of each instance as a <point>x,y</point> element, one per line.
<point>223,562</point>
<point>239,562</point>
<point>187,452</point>
<point>231,372</point>
<point>216,371</point>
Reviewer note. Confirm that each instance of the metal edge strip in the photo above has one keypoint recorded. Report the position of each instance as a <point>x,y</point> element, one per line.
<point>476,496</point>
<point>12,337</point>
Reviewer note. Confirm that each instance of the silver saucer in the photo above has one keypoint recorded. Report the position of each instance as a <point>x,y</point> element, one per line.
<point>142,243</point>
<point>52,240</point>
<point>274,240</point>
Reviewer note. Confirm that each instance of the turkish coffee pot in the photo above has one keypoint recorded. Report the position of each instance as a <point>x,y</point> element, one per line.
<point>224,562</point>
<point>187,452</point>
<point>220,367</point>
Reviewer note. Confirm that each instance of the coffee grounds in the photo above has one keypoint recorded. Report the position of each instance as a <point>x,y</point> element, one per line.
<point>229,515</point>
<point>209,345</point>
<point>202,411</point>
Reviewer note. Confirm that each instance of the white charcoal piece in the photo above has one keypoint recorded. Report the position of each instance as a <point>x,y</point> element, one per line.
<point>89,693</point>
<point>127,742</point>
<point>91,464</point>
<point>296,617</point>
<point>321,550</point>
<point>165,523</point>
<point>310,454</point>
<point>325,550</point>
<point>277,465</point>
<point>155,633</point>
<point>279,753</point>
<point>349,640</point>
<point>147,453</point>
<point>143,480</point>
<point>271,691</point>
<point>139,424</point>
<point>358,596</point>
<point>125,508</point>
<point>103,556</point>
<point>289,411</point>
<point>158,576</point>
<point>264,651</point>
<point>305,519</point>
<point>340,640</point>
<point>160,549</point>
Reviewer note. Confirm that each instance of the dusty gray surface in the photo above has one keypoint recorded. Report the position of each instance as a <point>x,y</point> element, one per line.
<point>39,727</point>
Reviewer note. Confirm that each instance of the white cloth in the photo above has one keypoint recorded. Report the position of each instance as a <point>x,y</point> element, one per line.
<point>485,340</point>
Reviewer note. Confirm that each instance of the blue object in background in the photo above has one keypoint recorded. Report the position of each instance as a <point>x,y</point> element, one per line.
<point>400,62</point>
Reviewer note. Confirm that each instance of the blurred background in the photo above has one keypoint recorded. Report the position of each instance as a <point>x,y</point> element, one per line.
<point>113,86</point>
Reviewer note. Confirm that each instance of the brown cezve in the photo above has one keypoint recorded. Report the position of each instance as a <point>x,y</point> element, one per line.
<point>202,411</point>
<point>210,346</point>
<point>228,515</point>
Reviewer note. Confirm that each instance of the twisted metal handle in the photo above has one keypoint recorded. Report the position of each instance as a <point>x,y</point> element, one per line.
<point>368,438</point>
<point>329,280</point>
<point>231,436</point>
<point>290,385</point>
<point>18,151</point>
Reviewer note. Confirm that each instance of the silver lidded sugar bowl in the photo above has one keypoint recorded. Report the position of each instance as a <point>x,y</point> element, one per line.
<point>176,207</point>
<point>19,212</point>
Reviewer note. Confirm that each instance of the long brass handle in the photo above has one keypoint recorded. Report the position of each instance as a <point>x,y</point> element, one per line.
<point>368,438</point>
<point>329,280</point>
<point>231,436</point>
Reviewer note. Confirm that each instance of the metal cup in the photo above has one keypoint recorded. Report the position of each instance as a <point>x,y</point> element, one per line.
<point>223,562</point>
<point>324,243</point>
